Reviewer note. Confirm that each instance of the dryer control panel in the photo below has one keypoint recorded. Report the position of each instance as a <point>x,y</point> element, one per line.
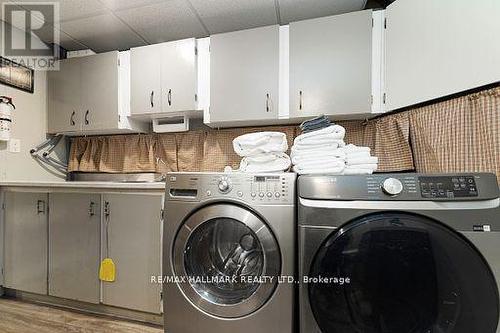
<point>272,188</point>
<point>400,187</point>
<point>448,186</point>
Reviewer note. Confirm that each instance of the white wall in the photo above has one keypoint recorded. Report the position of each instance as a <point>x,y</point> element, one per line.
<point>29,126</point>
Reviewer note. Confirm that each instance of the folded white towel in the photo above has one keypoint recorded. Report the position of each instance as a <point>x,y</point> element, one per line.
<point>352,154</point>
<point>300,149</point>
<point>361,160</point>
<point>261,142</point>
<point>267,162</point>
<point>317,141</point>
<point>357,171</point>
<point>321,163</point>
<point>363,166</point>
<point>350,148</point>
<point>326,146</point>
<point>332,170</point>
<point>315,155</point>
<point>333,132</point>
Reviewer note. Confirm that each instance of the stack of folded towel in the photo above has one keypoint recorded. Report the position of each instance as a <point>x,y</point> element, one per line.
<point>262,152</point>
<point>359,161</point>
<point>319,151</point>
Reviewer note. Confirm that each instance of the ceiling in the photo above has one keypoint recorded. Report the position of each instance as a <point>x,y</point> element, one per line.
<point>105,25</point>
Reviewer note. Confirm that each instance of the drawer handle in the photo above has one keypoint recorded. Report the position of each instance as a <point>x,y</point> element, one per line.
<point>40,207</point>
<point>87,118</point>
<point>151,98</point>
<point>267,103</point>
<point>169,97</point>
<point>107,210</point>
<point>91,209</point>
<point>72,119</point>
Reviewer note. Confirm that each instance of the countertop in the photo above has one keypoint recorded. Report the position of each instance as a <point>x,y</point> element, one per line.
<point>86,185</point>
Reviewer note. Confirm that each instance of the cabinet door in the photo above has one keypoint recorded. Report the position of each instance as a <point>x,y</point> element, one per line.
<point>99,82</point>
<point>145,75</point>
<point>244,75</point>
<point>74,229</point>
<point>435,48</point>
<point>178,75</point>
<point>25,242</point>
<point>133,229</point>
<point>64,97</point>
<point>330,65</point>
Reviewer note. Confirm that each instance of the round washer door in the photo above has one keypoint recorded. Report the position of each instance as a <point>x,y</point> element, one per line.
<point>407,273</point>
<point>227,255</point>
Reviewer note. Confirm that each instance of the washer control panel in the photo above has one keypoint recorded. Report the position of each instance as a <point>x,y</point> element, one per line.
<point>258,188</point>
<point>269,188</point>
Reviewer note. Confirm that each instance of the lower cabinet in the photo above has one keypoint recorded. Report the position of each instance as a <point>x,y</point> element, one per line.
<point>58,251</point>
<point>74,231</point>
<point>25,241</point>
<point>132,233</point>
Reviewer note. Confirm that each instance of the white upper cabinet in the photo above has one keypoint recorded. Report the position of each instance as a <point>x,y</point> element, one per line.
<point>90,95</point>
<point>244,76</point>
<point>178,75</point>
<point>335,65</point>
<point>435,48</point>
<point>164,78</point>
<point>145,76</point>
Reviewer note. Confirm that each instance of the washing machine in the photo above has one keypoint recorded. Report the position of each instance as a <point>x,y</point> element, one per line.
<point>228,248</point>
<point>399,253</point>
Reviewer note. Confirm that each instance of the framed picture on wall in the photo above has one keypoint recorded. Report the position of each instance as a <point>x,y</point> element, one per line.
<point>17,76</point>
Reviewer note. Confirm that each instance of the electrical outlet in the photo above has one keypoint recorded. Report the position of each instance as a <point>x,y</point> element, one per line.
<point>15,145</point>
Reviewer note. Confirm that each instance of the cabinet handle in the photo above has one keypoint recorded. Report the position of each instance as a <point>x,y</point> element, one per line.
<point>151,98</point>
<point>300,100</point>
<point>91,209</point>
<point>107,211</point>
<point>72,119</point>
<point>267,103</point>
<point>87,118</point>
<point>40,207</point>
<point>169,97</point>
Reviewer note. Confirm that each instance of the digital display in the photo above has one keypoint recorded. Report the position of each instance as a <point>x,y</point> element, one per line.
<point>448,187</point>
<point>261,179</point>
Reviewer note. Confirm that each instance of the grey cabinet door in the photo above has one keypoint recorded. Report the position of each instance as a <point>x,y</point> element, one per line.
<point>64,112</point>
<point>25,242</point>
<point>133,227</point>
<point>244,75</point>
<point>331,65</point>
<point>99,82</point>
<point>74,230</point>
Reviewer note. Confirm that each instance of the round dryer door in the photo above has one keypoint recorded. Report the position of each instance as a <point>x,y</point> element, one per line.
<point>406,273</point>
<point>226,255</point>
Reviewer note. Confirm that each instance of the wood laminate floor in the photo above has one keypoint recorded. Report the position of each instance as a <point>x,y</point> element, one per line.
<point>21,317</point>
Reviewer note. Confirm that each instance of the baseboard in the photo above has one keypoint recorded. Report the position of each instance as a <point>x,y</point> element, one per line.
<point>96,309</point>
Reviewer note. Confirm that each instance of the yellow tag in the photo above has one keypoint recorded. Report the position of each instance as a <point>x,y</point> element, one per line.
<point>107,271</point>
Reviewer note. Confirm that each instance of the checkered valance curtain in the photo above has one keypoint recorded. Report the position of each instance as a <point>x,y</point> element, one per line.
<point>460,134</point>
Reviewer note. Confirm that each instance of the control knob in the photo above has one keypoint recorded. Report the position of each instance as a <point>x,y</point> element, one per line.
<point>392,186</point>
<point>224,185</point>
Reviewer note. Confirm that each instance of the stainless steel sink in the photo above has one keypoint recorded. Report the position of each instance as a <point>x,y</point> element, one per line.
<point>142,177</point>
